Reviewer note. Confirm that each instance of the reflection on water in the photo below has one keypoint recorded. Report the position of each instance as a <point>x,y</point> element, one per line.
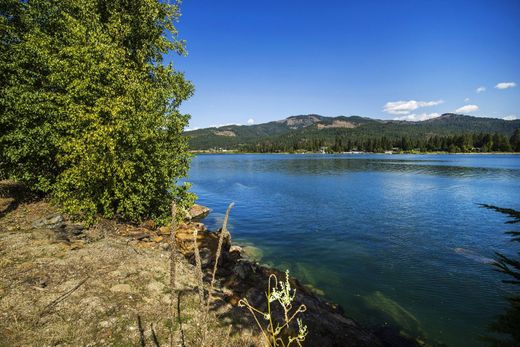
<point>327,165</point>
<point>391,238</point>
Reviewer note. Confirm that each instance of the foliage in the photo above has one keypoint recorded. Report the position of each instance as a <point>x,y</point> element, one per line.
<point>515,140</point>
<point>275,333</point>
<point>507,325</point>
<point>89,111</point>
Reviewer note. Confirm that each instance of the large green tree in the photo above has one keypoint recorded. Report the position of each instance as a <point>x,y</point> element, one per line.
<point>89,111</point>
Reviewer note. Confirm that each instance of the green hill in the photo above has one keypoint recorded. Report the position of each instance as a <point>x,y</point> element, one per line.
<point>314,132</point>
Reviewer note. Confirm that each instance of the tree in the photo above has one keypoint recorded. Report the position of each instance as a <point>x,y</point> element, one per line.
<point>89,113</point>
<point>515,141</point>
<point>508,324</point>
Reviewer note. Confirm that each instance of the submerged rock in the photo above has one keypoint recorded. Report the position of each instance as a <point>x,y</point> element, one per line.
<point>394,313</point>
<point>253,253</point>
<point>473,256</point>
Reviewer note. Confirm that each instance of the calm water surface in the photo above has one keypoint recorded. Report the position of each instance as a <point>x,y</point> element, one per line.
<point>392,238</point>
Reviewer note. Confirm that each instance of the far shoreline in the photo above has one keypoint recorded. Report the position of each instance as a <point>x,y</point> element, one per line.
<point>229,152</point>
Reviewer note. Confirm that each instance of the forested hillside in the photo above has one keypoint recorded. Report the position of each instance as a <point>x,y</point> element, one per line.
<point>449,132</point>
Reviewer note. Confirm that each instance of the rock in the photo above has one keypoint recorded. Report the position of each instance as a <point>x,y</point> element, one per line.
<point>139,234</point>
<point>164,231</point>
<point>255,296</point>
<point>49,222</point>
<point>235,248</point>
<point>198,212</point>
<point>242,269</point>
<point>121,288</point>
<point>59,236</point>
<point>77,245</point>
<point>206,257</point>
<point>74,229</point>
<point>253,253</point>
<point>157,239</point>
<point>233,300</point>
<point>149,224</point>
<point>394,313</point>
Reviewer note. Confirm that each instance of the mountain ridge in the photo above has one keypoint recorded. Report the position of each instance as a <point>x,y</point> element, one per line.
<point>309,127</point>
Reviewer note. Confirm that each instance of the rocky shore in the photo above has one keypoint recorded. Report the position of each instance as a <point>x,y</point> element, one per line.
<point>64,284</point>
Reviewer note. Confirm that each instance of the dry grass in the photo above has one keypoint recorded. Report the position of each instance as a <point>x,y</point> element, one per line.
<point>102,290</point>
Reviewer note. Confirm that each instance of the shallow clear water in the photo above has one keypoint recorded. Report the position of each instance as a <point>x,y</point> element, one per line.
<point>392,238</point>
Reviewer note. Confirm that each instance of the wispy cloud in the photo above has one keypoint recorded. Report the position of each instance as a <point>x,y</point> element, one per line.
<point>250,121</point>
<point>505,85</point>
<point>466,100</point>
<point>481,89</point>
<point>406,107</point>
<point>467,109</point>
<point>511,117</point>
<point>418,117</point>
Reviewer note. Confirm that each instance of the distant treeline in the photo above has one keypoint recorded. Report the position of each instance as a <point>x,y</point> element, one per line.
<point>481,142</point>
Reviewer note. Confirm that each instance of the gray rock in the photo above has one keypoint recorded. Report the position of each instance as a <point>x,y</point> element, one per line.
<point>74,229</point>
<point>198,211</point>
<point>49,222</point>
<point>242,269</point>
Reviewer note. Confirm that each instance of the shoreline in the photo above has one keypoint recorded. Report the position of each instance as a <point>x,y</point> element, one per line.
<point>231,152</point>
<point>118,270</point>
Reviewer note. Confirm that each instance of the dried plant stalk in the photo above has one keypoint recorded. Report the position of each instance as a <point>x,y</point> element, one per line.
<point>282,293</point>
<point>223,233</point>
<point>173,273</point>
<point>198,268</point>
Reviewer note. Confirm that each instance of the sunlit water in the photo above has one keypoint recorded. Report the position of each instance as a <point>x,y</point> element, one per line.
<point>392,238</point>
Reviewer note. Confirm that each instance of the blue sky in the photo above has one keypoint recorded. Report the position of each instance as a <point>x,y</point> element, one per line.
<point>257,61</point>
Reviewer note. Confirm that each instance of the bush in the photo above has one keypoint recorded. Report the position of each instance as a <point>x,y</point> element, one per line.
<point>89,112</point>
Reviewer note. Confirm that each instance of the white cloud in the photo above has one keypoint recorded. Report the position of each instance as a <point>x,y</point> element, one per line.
<point>250,121</point>
<point>466,100</point>
<point>406,107</point>
<point>511,117</point>
<point>505,85</point>
<point>223,125</point>
<point>467,109</point>
<point>481,89</point>
<point>418,117</point>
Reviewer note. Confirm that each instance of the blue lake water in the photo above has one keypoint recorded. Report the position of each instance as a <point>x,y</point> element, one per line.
<point>392,238</point>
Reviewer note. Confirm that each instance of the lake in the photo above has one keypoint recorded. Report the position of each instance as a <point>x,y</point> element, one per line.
<point>396,239</point>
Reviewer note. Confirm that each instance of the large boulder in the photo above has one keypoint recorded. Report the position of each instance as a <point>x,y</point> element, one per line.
<point>198,211</point>
<point>49,222</point>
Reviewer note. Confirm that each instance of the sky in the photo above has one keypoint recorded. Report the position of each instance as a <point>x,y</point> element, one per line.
<point>257,61</point>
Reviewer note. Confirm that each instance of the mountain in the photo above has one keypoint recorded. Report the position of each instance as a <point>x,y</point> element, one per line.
<point>325,131</point>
